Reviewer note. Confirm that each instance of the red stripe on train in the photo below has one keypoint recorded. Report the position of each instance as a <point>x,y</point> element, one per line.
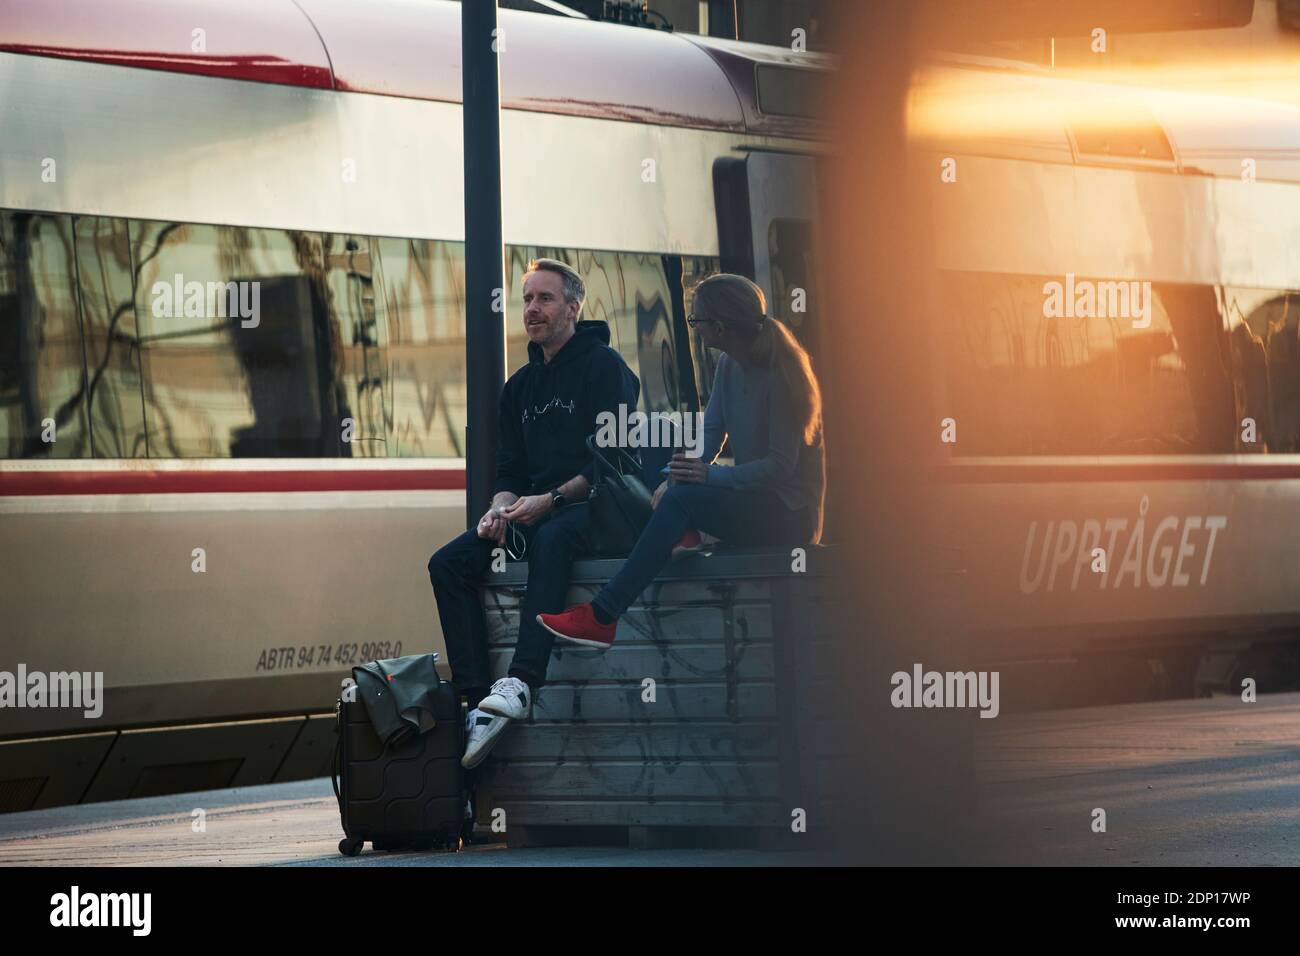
<point>453,479</point>
<point>1018,473</point>
<point>214,482</point>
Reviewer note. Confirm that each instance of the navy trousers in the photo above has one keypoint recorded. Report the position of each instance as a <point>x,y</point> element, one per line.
<point>737,517</point>
<point>458,571</point>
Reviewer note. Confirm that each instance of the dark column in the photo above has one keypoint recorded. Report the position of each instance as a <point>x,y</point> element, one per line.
<point>903,777</point>
<point>485,336</point>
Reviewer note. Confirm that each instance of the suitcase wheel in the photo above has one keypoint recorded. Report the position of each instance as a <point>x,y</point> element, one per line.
<point>443,843</point>
<point>350,847</point>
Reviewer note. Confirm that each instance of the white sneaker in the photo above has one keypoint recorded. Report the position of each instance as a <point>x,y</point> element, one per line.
<point>509,697</point>
<point>481,732</point>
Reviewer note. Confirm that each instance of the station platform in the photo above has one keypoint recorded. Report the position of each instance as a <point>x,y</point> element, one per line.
<point>273,825</point>
<point>1206,782</point>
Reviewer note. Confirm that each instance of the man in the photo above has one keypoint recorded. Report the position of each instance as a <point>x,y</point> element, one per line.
<point>544,471</point>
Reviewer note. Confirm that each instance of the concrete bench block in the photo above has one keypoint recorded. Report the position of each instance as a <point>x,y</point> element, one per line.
<point>698,716</point>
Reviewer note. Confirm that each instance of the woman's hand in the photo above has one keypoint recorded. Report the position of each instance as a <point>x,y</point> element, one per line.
<point>659,493</point>
<point>688,471</point>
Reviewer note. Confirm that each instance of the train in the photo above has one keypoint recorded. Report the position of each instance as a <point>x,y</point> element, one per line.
<point>232,373</point>
<point>1117,397</point>
<point>232,335</point>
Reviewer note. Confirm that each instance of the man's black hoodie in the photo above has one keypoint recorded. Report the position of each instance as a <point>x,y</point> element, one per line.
<point>549,408</point>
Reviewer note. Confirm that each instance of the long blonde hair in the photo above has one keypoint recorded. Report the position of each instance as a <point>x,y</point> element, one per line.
<point>739,304</point>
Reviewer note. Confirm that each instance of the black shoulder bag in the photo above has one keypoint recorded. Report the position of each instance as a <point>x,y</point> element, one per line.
<point>620,503</point>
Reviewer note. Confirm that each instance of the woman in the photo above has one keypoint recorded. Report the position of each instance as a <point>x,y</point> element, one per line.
<point>766,401</point>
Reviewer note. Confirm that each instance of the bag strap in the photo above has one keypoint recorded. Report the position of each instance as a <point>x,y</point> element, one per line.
<point>624,464</point>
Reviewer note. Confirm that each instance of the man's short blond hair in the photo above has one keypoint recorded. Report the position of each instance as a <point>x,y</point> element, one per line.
<point>575,290</point>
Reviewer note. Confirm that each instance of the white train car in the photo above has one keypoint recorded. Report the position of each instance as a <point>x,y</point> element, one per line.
<point>232,404</point>
<point>1117,309</point>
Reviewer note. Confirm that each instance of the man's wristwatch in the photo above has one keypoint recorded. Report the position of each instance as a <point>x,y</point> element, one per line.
<point>557,499</point>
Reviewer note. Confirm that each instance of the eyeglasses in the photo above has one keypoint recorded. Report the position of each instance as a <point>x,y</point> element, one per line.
<point>693,322</point>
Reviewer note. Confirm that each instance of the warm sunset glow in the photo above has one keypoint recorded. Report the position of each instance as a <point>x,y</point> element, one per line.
<point>982,102</point>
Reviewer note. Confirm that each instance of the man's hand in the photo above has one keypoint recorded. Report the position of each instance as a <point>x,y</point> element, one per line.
<point>529,508</point>
<point>659,493</point>
<point>492,526</point>
<point>688,471</point>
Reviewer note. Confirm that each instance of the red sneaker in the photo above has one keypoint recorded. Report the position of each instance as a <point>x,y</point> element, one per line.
<point>690,543</point>
<point>578,624</point>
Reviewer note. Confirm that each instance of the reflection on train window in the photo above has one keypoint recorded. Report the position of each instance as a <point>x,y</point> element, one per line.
<point>42,370</point>
<point>257,342</point>
<point>423,285</point>
<point>359,340</point>
<point>789,250</point>
<point>195,341</point>
<point>1024,383</point>
<point>695,269</point>
<point>630,291</point>
<point>1266,339</point>
<point>793,279</point>
<point>114,390</point>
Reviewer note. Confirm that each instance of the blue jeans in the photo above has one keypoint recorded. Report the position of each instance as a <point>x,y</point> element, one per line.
<point>737,517</point>
<point>457,572</point>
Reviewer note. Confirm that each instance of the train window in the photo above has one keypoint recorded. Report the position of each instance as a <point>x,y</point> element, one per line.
<point>258,342</point>
<point>705,361</point>
<point>630,291</point>
<point>1113,128</point>
<point>359,340</point>
<point>790,255</point>
<point>789,91</point>
<point>42,369</point>
<point>223,341</point>
<point>516,339</point>
<point>1267,360</point>
<point>105,283</point>
<point>423,291</point>
<point>1021,382</point>
<point>793,280</point>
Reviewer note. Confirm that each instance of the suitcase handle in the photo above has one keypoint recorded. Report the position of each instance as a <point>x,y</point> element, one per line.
<point>335,765</point>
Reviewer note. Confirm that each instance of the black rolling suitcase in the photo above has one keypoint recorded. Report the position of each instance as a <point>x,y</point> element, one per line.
<point>408,795</point>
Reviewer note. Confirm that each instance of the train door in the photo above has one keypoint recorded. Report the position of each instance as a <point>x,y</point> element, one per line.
<point>782,190</point>
<point>766,231</point>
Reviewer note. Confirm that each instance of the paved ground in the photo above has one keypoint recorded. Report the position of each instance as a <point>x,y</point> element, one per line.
<point>1211,782</point>
<point>291,824</point>
<point>1189,783</point>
